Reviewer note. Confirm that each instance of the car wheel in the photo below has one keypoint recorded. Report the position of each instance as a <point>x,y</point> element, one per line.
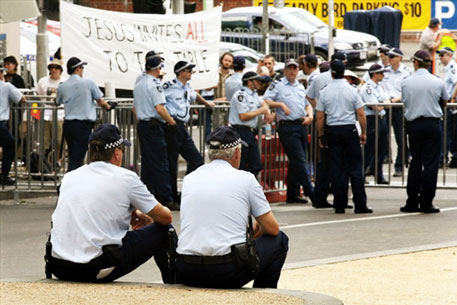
<point>321,56</point>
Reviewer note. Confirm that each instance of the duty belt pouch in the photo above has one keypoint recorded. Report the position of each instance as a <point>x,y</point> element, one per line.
<point>244,254</point>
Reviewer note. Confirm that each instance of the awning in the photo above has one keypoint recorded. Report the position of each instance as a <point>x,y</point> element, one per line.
<point>15,10</point>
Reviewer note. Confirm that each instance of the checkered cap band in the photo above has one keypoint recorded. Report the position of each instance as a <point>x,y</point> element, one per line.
<point>114,144</point>
<point>218,145</point>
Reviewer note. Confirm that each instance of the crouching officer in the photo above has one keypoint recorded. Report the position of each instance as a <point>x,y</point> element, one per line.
<point>340,103</point>
<point>213,247</point>
<point>424,95</point>
<point>372,93</point>
<point>245,109</point>
<point>179,96</point>
<point>149,103</point>
<point>90,237</point>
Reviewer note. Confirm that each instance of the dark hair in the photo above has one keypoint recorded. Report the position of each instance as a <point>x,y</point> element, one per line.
<point>11,59</point>
<point>311,64</point>
<point>225,54</point>
<point>101,155</point>
<point>424,64</point>
<point>337,75</point>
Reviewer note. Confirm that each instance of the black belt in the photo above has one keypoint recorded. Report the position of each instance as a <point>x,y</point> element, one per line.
<point>421,118</point>
<point>178,121</point>
<point>206,260</point>
<point>379,116</point>
<point>154,122</point>
<point>4,122</point>
<point>291,122</point>
<point>83,121</point>
<point>251,129</point>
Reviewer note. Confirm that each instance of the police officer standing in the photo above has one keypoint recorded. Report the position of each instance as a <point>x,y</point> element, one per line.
<point>78,95</point>
<point>245,109</point>
<point>340,102</point>
<point>372,93</point>
<point>179,96</point>
<point>450,80</point>
<point>383,59</point>
<point>8,94</point>
<point>294,112</point>
<point>149,102</point>
<point>310,69</point>
<point>234,82</point>
<point>424,95</point>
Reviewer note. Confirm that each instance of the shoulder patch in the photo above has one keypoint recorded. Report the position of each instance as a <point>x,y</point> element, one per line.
<point>368,91</point>
<point>272,86</point>
<point>160,89</point>
<point>166,85</point>
<point>240,98</point>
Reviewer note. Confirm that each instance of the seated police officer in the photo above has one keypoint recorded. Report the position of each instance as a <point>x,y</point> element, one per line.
<point>91,241</point>
<point>217,200</point>
<point>245,109</point>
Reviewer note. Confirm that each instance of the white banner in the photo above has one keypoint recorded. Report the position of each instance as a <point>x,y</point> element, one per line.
<point>114,44</point>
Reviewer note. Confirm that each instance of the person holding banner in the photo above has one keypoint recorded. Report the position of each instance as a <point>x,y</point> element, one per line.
<point>179,96</point>
<point>149,102</point>
<point>78,95</point>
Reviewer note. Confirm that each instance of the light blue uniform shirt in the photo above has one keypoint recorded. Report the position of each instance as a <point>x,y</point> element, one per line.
<point>8,93</point>
<point>393,79</point>
<point>373,93</point>
<point>421,93</point>
<point>319,82</point>
<point>312,76</point>
<point>179,97</point>
<point>77,95</point>
<point>147,94</point>
<point>233,84</point>
<point>450,80</point>
<point>339,101</point>
<point>292,94</point>
<point>244,100</point>
<point>366,76</point>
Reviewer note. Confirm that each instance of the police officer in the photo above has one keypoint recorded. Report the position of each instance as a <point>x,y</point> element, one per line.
<point>322,185</point>
<point>383,59</point>
<point>393,78</point>
<point>234,82</point>
<point>214,221</point>
<point>294,112</point>
<point>151,53</point>
<point>8,94</point>
<point>245,109</point>
<point>340,102</point>
<point>310,69</point>
<point>77,95</point>
<point>149,103</point>
<point>450,79</point>
<point>372,93</point>
<point>424,95</point>
<point>179,96</point>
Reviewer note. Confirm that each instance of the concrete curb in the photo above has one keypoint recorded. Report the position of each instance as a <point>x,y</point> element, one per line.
<point>309,298</point>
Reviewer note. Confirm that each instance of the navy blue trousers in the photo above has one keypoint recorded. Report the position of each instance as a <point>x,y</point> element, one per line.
<point>272,252</point>
<point>294,139</point>
<point>138,246</point>
<point>154,161</point>
<point>397,124</point>
<point>322,182</point>
<point>7,144</point>
<point>250,155</point>
<point>76,134</point>
<point>451,138</point>
<point>180,143</point>
<point>345,161</point>
<point>425,143</point>
<point>371,144</point>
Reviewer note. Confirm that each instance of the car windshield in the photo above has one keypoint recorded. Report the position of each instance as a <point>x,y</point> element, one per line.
<point>308,18</point>
<point>294,23</point>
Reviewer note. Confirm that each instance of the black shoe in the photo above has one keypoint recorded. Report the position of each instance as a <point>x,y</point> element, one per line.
<point>382,181</point>
<point>340,211</point>
<point>365,210</point>
<point>397,173</point>
<point>297,200</point>
<point>430,209</point>
<point>349,206</point>
<point>172,205</point>
<point>7,181</point>
<point>409,209</point>
<point>323,205</point>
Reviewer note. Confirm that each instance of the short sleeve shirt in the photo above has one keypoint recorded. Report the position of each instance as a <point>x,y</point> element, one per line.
<point>393,79</point>
<point>94,209</point>
<point>178,99</point>
<point>244,100</point>
<point>421,93</point>
<point>77,95</point>
<point>233,84</point>
<point>48,86</point>
<point>214,218</point>
<point>8,94</point>
<point>148,93</point>
<point>318,83</point>
<point>292,94</point>
<point>339,101</point>
<point>373,93</point>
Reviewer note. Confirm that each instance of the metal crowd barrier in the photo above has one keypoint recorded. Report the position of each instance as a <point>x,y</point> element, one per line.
<point>41,158</point>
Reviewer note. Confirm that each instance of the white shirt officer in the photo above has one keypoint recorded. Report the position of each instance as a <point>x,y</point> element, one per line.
<point>244,100</point>
<point>233,84</point>
<point>178,99</point>
<point>373,93</point>
<point>292,94</point>
<point>147,94</point>
<point>339,101</point>
<point>8,93</point>
<point>423,102</point>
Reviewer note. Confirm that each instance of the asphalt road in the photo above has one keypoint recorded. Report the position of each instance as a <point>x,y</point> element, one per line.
<point>316,236</point>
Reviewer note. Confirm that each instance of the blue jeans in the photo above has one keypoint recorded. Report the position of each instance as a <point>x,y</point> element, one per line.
<point>272,252</point>
<point>76,134</point>
<point>154,161</point>
<point>7,144</point>
<point>345,157</point>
